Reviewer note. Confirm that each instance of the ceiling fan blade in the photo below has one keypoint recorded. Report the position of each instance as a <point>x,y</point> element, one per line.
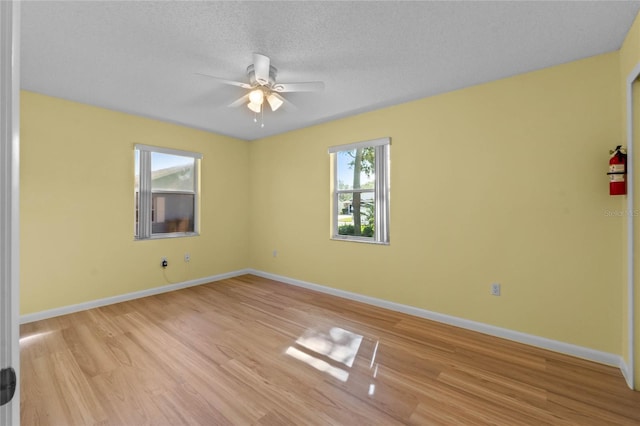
<point>224,81</point>
<point>261,66</point>
<point>243,100</point>
<point>312,86</point>
<point>288,105</point>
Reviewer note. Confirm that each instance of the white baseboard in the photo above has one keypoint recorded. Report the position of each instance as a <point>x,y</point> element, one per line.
<point>529,339</point>
<point>129,296</point>
<point>624,368</point>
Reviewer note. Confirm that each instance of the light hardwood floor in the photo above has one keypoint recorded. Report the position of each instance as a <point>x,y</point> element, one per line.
<point>253,351</point>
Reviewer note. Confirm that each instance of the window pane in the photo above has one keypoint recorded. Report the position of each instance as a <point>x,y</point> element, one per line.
<point>136,188</point>
<point>361,191</point>
<point>136,172</point>
<point>356,168</point>
<point>136,225</point>
<point>356,214</point>
<point>171,212</point>
<point>172,172</point>
<point>165,188</point>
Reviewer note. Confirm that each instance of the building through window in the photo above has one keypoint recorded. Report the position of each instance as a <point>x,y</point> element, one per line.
<point>166,192</point>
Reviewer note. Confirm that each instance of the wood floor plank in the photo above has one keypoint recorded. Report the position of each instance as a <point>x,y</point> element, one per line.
<point>122,402</point>
<point>249,350</point>
<point>73,389</point>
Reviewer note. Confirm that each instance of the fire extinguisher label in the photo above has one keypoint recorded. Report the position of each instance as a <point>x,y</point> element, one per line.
<point>616,168</point>
<point>616,178</point>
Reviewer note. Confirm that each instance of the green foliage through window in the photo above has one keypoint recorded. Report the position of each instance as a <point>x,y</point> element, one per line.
<point>361,186</point>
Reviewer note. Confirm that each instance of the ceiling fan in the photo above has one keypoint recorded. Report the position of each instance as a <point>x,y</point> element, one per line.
<point>263,86</point>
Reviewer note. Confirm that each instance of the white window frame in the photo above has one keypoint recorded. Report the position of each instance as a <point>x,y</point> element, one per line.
<point>145,193</point>
<point>381,190</point>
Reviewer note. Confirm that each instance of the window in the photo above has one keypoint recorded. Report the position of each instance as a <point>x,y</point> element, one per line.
<point>166,192</point>
<point>361,191</point>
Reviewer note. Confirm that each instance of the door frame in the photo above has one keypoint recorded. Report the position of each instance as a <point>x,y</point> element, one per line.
<point>10,200</point>
<point>631,340</point>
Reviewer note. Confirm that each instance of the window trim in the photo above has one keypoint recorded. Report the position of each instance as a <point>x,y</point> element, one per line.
<point>146,196</point>
<point>381,190</point>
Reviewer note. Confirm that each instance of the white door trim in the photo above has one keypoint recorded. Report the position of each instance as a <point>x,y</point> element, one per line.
<point>630,376</point>
<point>10,199</point>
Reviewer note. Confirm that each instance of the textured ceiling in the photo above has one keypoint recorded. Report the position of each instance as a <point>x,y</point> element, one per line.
<point>142,57</point>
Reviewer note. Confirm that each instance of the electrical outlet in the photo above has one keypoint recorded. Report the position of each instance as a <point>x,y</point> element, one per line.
<point>275,253</point>
<point>495,289</point>
<point>164,263</point>
<point>187,257</point>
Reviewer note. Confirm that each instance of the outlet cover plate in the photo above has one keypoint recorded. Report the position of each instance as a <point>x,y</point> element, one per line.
<point>495,289</point>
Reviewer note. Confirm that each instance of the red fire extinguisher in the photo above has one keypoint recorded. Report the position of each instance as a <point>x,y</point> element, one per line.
<point>618,171</point>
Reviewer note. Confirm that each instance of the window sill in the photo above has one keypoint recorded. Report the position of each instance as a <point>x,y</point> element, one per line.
<point>359,240</point>
<point>171,235</point>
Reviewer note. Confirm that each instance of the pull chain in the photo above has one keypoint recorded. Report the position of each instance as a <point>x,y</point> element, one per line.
<point>255,116</point>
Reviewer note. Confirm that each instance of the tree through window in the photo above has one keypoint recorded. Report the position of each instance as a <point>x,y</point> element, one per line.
<point>361,191</point>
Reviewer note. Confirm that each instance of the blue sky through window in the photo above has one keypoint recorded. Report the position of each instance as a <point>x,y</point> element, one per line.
<point>161,161</point>
<point>345,171</point>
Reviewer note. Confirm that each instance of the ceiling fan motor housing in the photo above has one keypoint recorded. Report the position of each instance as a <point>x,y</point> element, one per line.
<point>273,72</point>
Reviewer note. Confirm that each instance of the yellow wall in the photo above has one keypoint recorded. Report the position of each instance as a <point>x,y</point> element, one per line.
<point>629,58</point>
<point>77,206</point>
<point>501,182</point>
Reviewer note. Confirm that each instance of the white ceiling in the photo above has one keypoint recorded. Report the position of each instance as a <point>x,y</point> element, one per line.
<point>142,57</point>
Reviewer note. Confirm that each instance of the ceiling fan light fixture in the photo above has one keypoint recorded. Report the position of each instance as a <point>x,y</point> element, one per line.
<point>255,107</point>
<point>274,102</point>
<point>256,96</point>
